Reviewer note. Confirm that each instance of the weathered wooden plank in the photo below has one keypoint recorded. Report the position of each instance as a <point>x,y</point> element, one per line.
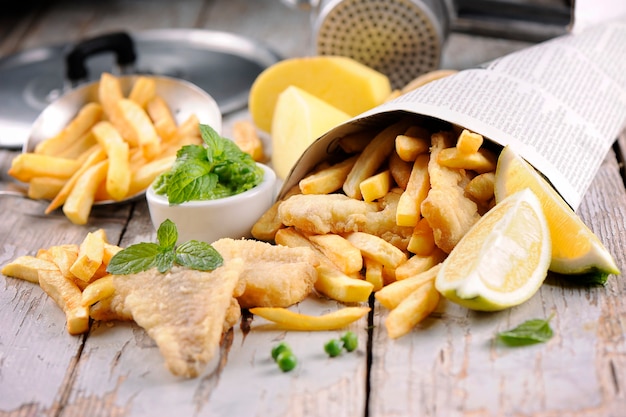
<point>452,365</point>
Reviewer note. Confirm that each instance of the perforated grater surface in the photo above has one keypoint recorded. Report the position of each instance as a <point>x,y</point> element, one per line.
<point>400,38</point>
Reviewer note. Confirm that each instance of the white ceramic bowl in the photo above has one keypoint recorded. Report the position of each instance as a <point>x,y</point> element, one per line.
<point>211,220</point>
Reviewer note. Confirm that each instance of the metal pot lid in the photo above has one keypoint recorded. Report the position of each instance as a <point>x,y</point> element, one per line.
<point>223,64</point>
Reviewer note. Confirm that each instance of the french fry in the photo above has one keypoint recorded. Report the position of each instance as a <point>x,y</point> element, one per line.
<point>96,155</point>
<point>68,297</point>
<point>143,90</point>
<point>64,256</point>
<point>45,188</point>
<point>97,290</point>
<point>376,248</point>
<point>109,94</point>
<point>400,170</point>
<point>481,187</point>
<point>339,251</point>
<point>246,137</point>
<point>422,240</point>
<point>289,320</point>
<point>143,176</point>
<point>27,267</point>
<point>481,161</point>
<point>190,127</point>
<point>90,255</point>
<point>328,180</point>
<point>418,264</point>
<point>142,130</point>
<point>80,200</point>
<point>412,310</point>
<point>376,186</point>
<point>373,156</point>
<point>392,295</point>
<point>338,286</point>
<point>373,273</point>
<point>355,142</point>
<point>118,172</point>
<point>87,116</point>
<point>414,142</point>
<point>162,117</point>
<point>79,146</point>
<point>469,142</point>
<point>408,211</point>
<point>269,223</point>
<point>27,166</point>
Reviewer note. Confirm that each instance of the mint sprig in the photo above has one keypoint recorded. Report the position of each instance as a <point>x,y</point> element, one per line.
<point>207,172</point>
<point>165,254</point>
<point>528,333</point>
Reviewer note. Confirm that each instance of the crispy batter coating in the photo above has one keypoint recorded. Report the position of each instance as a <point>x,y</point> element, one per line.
<point>183,310</point>
<point>273,276</point>
<point>446,208</point>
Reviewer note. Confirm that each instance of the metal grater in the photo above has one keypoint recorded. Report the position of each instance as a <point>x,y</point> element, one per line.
<point>400,38</point>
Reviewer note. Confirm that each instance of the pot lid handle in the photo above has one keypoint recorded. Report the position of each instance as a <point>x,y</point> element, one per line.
<point>119,43</point>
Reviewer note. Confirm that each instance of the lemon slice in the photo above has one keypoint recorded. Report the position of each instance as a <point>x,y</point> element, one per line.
<point>575,248</point>
<point>503,259</point>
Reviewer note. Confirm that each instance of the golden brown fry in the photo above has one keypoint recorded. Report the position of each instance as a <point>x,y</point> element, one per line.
<point>289,320</point>
<point>392,295</point>
<point>79,146</point>
<point>418,264</point>
<point>378,249</point>
<point>408,211</point>
<point>142,130</point>
<point>414,142</point>
<point>338,286</point>
<point>400,170</point>
<point>87,116</point>
<point>80,200</point>
<point>118,173</point>
<point>246,137</point>
<point>27,268</point>
<point>373,273</point>
<point>481,161</point>
<point>142,177</point>
<point>327,180</point>
<point>97,155</point>
<point>340,252</point>
<point>376,186</point>
<point>469,142</point>
<point>356,142</point>
<point>190,127</point>
<point>45,188</point>
<point>67,296</point>
<point>143,90</point>
<point>26,166</point>
<point>162,117</point>
<point>64,257</point>
<point>480,188</point>
<point>422,240</point>
<point>109,94</point>
<point>90,255</point>
<point>97,290</point>
<point>412,310</point>
<point>373,156</point>
<point>269,223</point>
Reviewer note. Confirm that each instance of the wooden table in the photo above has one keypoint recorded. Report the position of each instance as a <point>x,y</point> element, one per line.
<point>448,366</point>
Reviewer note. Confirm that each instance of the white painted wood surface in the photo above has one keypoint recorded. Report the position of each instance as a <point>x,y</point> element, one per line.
<point>448,366</point>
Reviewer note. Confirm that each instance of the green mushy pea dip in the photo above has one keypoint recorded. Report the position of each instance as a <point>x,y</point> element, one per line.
<point>218,169</point>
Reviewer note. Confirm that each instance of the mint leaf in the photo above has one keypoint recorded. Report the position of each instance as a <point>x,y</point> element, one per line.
<point>135,258</point>
<point>214,142</point>
<point>198,255</point>
<point>163,255</point>
<point>167,234</point>
<point>528,333</point>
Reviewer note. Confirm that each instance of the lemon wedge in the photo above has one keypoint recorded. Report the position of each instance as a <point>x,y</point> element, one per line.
<point>503,259</point>
<point>299,119</point>
<point>575,248</point>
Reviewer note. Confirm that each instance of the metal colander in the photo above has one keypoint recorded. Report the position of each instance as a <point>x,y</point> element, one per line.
<point>400,38</point>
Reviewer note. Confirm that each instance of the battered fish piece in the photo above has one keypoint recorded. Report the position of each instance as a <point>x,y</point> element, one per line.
<point>273,275</point>
<point>185,311</point>
<point>338,213</point>
<point>446,208</point>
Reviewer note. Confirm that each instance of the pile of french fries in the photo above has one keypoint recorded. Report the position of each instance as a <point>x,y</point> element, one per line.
<point>110,151</point>
<point>65,271</point>
<point>440,182</point>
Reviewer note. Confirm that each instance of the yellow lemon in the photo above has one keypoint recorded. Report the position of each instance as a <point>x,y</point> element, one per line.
<point>299,119</point>
<point>575,248</point>
<point>503,260</point>
<point>340,81</point>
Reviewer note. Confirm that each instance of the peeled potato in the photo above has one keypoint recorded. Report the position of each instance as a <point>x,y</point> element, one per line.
<point>299,119</point>
<point>340,81</point>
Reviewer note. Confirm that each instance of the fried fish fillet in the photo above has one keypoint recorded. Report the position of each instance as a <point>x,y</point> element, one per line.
<point>338,213</point>
<point>185,311</point>
<point>446,208</point>
<point>273,276</point>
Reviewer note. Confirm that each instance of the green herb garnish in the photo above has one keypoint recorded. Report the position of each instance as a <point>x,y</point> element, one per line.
<point>165,254</point>
<point>528,333</point>
<point>217,169</point>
